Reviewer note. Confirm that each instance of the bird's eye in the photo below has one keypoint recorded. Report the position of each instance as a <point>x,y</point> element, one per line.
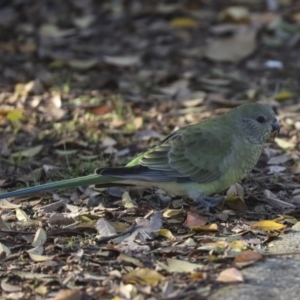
<point>261,119</point>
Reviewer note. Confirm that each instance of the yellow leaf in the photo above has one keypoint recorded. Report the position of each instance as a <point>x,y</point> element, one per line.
<point>184,23</point>
<point>84,218</point>
<point>143,276</point>
<point>166,233</point>
<point>210,227</point>
<point>284,144</point>
<point>268,225</point>
<point>130,259</point>
<point>283,95</point>
<point>21,215</point>
<point>238,245</point>
<point>169,213</point>
<point>42,290</point>
<point>127,201</point>
<point>235,190</point>
<point>15,115</point>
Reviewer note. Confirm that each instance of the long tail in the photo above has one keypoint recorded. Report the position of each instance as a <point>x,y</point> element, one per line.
<point>79,181</point>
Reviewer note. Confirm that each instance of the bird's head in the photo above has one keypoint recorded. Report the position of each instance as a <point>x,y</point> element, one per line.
<point>257,121</point>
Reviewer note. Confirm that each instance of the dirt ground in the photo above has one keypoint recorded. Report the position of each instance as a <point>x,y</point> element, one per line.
<point>86,84</point>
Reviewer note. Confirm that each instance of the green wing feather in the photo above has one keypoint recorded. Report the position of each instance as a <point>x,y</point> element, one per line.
<point>188,153</point>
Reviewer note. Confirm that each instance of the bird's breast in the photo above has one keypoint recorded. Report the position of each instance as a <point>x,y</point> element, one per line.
<point>240,162</point>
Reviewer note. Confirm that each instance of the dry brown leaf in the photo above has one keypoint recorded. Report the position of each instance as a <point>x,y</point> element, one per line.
<point>247,257</point>
<point>295,168</point>
<point>193,219</point>
<point>198,276</point>
<point>230,275</point>
<point>101,110</point>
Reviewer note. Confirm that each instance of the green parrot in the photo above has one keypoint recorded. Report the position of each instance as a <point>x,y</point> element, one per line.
<point>195,161</point>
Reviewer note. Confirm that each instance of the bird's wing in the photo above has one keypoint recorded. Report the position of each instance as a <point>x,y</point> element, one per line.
<point>194,153</point>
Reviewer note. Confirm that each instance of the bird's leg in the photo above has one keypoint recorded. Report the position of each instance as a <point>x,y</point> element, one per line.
<point>207,202</point>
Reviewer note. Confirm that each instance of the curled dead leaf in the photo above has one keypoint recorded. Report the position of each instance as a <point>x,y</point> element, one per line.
<point>193,219</point>
<point>247,257</point>
<point>230,275</point>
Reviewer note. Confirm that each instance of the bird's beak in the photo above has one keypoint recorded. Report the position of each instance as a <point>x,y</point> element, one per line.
<point>275,127</point>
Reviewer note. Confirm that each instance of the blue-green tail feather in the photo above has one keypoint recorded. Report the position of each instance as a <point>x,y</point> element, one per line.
<point>75,182</point>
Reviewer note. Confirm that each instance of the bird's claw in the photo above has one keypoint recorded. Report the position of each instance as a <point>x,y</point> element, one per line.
<point>207,202</point>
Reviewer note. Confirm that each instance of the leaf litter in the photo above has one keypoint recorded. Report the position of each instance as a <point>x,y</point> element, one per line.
<point>105,81</point>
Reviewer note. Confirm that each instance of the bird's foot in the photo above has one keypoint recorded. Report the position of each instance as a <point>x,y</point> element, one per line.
<point>207,202</point>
